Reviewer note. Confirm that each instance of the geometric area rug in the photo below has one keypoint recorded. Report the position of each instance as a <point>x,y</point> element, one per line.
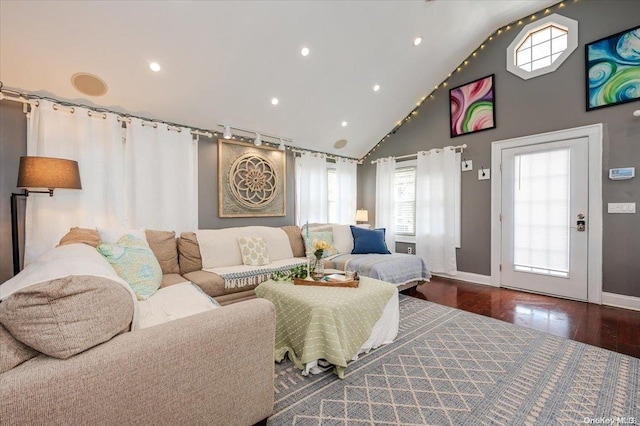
<point>450,367</point>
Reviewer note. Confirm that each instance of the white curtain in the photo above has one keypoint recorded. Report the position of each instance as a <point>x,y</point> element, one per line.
<point>312,204</point>
<point>437,208</point>
<point>161,177</point>
<point>385,205</point>
<point>347,189</point>
<point>96,144</point>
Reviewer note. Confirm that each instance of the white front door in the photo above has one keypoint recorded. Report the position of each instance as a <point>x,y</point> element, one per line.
<point>544,217</point>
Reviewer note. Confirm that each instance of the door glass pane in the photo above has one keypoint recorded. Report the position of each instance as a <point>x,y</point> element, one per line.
<point>541,213</point>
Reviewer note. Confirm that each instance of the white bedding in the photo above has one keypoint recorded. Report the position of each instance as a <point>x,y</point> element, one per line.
<point>385,330</point>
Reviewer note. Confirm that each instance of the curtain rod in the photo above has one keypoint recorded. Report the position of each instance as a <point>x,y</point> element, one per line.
<point>404,157</point>
<point>10,95</point>
<point>330,156</point>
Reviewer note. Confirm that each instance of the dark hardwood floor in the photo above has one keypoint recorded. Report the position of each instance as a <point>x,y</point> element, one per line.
<point>607,327</point>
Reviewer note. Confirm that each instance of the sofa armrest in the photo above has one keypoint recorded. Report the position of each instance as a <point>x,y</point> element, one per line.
<point>212,368</point>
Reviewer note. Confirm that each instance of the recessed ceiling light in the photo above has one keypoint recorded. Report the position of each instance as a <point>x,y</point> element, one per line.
<point>304,51</point>
<point>376,87</point>
<point>274,101</point>
<point>154,66</point>
<point>344,124</point>
<point>417,41</point>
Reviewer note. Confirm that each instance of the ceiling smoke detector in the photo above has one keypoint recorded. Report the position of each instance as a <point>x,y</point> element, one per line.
<point>89,84</point>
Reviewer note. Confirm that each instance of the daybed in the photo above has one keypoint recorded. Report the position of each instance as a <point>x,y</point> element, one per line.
<point>68,355</point>
<point>401,269</point>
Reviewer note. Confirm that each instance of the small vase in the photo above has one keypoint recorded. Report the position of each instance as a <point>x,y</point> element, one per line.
<point>317,270</point>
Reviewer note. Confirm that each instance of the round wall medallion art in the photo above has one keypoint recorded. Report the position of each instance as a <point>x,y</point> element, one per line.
<point>253,180</point>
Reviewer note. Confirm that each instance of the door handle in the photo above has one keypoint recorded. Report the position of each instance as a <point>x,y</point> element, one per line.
<point>581,223</point>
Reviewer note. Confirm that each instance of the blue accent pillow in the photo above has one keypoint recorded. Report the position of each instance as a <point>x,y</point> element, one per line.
<point>366,241</point>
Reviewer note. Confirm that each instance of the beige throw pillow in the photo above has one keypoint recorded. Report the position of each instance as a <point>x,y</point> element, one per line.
<point>254,251</point>
<point>66,316</point>
<point>81,235</point>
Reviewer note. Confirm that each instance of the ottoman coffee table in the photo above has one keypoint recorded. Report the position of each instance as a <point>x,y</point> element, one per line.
<point>331,323</point>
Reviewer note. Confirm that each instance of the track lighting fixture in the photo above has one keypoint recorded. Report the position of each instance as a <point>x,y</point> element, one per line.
<point>227,132</point>
<point>258,140</point>
<point>281,147</point>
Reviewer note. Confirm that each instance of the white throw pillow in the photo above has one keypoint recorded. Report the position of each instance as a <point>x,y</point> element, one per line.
<point>342,238</point>
<point>254,251</point>
<point>112,235</point>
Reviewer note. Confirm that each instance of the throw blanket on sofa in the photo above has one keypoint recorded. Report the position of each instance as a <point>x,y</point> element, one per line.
<point>396,268</point>
<point>243,276</point>
<point>324,322</point>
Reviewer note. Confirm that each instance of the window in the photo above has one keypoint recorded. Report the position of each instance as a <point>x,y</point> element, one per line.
<point>332,195</point>
<point>542,46</point>
<point>405,200</point>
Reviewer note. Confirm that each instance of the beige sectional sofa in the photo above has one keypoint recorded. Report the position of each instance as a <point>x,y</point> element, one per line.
<point>68,356</point>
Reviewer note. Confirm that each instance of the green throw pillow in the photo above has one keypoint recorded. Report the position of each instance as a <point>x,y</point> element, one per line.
<point>135,263</point>
<point>254,251</point>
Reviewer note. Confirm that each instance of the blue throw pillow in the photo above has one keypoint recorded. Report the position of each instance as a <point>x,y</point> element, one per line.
<point>366,241</point>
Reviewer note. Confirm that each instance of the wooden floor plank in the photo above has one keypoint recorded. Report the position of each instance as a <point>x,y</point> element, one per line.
<point>607,327</point>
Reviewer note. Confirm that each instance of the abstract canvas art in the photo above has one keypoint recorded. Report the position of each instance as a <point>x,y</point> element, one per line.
<point>472,107</point>
<point>613,69</point>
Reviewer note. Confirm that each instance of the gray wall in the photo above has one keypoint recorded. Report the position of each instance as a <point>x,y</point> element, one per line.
<point>547,103</point>
<point>208,192</point>
<point>13,144</point>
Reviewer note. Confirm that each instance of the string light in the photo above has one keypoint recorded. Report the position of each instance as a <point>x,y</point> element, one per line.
<point>414,112</point>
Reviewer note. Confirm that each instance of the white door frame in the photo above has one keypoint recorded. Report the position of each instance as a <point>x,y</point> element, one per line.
<point>594,135</point>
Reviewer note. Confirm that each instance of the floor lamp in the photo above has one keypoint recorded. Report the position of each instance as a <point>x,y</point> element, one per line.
<point>40,172</point>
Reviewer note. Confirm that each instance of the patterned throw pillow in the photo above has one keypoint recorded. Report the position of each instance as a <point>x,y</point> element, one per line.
<point>254,251</point>
<point>311,242</point>
<point>135,263</point>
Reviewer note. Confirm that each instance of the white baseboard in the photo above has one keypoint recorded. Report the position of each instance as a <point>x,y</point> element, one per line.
<point>468,277</point>
<point>621,301</point>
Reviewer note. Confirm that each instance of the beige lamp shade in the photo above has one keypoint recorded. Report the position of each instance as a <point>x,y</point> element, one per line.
<point>50,173</point>
<point>362,215</point>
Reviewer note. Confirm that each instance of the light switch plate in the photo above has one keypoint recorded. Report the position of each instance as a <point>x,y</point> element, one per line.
<point>484,174</point>
<point>621,208</point>
<point>466,165</point>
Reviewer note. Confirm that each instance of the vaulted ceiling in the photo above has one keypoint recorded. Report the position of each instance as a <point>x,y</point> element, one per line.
<point>222,62</point>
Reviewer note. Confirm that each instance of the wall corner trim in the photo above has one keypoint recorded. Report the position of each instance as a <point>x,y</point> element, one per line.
<point>621,301</point>
<point>469,277</point>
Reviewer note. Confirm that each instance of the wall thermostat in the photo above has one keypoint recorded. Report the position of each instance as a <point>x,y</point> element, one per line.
<point>622,173</point>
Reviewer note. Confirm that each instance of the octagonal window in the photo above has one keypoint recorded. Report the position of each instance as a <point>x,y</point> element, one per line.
<point>542,46</point>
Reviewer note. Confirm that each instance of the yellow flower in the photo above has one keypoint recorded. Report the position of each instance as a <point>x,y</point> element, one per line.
<point>321,245</point>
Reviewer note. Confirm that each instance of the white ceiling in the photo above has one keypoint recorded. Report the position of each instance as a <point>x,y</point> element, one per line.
<point>223,61</point>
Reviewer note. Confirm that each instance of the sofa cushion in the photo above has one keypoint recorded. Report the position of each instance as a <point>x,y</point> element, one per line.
<point>81,235</point>
<point>135,263</point>
<point>12,351</point>
<point>174,302</point>
<point>342,238</point>
<point>219,247</point>
<point>172,279</point>
<point>189,253</point>
<point>295,239</point>
<point>254,251</point>
<point>366,241</point>
<point>66,316</point>
<point>213,284</point>
<point>164,247</point>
